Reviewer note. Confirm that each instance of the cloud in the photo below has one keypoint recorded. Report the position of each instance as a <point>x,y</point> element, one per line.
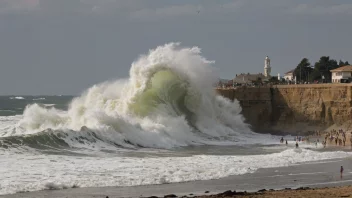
<point>18,5</point>
<point>170,11</point>
<point>186,10</point>
<point>113,6</point>
<point>154,10</point>
<point>336,9</point>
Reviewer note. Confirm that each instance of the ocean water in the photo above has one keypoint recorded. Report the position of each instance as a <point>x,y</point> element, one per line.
<point>162,124</point>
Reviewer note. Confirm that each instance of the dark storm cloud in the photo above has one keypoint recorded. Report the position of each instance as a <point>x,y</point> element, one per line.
<point>65,46</point>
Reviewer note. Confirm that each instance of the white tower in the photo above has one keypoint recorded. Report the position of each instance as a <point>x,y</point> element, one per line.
<point>267,68</point>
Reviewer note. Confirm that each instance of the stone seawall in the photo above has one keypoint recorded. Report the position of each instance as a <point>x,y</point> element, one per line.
<point>293,108</point>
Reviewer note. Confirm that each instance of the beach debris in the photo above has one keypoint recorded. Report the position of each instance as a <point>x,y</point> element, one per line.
<point>241,193</point>
<point>345,196</point>
<point>303,188</point>
<point>228,193</point>
<point>170,196</point>
<point>206,192</point>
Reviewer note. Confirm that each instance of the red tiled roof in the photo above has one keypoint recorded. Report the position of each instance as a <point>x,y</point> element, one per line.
<point>290,71</point>
<point>347,68</point>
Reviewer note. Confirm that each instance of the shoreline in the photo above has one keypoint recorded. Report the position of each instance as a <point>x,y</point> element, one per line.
<point>318,174</point>
<point>344,191</point>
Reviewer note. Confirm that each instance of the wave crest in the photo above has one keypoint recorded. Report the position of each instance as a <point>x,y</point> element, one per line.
<point>168,101</point>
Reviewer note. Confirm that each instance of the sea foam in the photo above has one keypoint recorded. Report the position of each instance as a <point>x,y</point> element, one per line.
<point>167,101</point>
<point>24,172</point>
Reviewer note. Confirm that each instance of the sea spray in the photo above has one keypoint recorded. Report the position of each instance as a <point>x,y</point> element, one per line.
<point>168,101</point>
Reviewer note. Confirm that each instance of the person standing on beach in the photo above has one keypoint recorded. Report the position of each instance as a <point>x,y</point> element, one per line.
<point>296,144</point>
<point>344,141</point>
<point>286,143</point>
<point>341,171</point>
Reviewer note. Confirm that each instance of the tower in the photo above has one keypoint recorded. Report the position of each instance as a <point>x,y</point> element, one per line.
<point>267,68</point>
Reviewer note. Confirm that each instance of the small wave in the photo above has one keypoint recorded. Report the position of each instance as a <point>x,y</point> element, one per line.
<point>64,139</point>
<point>38,99</point>
<point>4,110</point>
<point>49,105</point>
<point>17,98</point>
<point>55,186</point>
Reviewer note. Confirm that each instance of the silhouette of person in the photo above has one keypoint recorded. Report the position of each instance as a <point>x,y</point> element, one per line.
<point>341,171</point>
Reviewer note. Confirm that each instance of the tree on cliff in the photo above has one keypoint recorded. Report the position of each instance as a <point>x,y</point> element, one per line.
<point>324,65</point>
<point>341,63</point>
<point>274,80</point>
<point>321,69</point>
<point>303,70</point>
<point>258,81</point>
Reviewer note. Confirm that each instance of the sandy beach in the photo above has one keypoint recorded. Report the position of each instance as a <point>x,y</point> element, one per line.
<point>345,191</point>
<point>313,175</point>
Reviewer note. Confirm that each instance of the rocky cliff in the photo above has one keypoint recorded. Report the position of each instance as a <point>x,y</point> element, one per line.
<point>293,108</point>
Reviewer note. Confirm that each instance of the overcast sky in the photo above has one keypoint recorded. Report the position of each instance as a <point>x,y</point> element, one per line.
<point>66,46</point>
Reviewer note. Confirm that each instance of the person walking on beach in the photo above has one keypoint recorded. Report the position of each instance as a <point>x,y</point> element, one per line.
<point>286,143</point>
<point>341,171</point>
<point>296,144</point>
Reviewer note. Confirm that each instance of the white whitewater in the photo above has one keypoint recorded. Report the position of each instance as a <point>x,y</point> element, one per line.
<point>168,101</point>
<point>55,171</point>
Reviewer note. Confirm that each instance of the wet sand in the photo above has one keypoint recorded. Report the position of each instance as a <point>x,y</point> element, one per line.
<point>314,175</point>
<point>345,191</point>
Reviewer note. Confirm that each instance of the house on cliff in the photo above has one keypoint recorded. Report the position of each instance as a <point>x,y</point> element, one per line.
<point>249,78</point>
<point>342,74</point>
<point>289,76</point>
<point>224,83</point>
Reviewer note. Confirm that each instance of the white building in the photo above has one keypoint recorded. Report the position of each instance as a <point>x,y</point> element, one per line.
<point>289,75</point>
<point>267,68</point>
<point>341,74</point>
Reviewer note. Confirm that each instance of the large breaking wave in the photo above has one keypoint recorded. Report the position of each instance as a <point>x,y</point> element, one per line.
<point>168,101</point>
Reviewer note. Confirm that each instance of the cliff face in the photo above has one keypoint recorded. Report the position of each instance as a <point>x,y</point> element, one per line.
<point>290,108</point>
